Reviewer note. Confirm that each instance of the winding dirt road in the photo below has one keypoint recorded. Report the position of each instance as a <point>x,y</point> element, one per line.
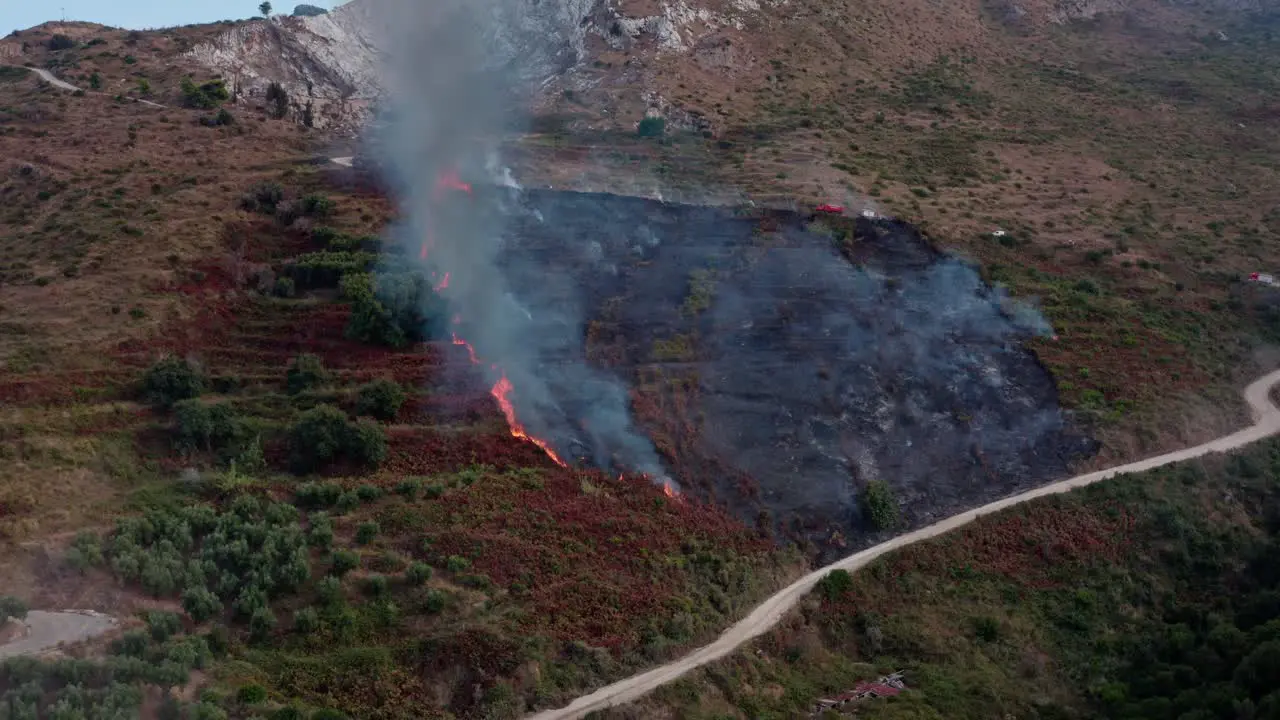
<point>47,630</point>
<point>50,78</point>
<point>767,614</point>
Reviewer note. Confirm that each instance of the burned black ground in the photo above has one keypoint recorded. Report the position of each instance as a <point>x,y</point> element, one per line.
<point>781,363</point>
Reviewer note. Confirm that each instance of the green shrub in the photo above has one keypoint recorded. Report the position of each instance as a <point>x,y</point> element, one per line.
<point>95,81</point>
<point>355,287</point>
<point>368,443</point>
<point>133,643</point>
<point>263,198</point>
<point>347,502</point>
<point>418,573</point>
<point>207,711</point>
<point>879,506</point>
<point>323,434</point>
<point>200,603</point>
<point>368,493</point>
<point>171,379</point>
<point>60,42</point>
<point>343,562</point>
<point>207,426</point>
<point>306,372</point>
<point>317,206</point>
<point>401,309</point>
<point>328,714</point>
<point>318,494</point>
<point>284,288</point>
<point>366,532</point>
<point>457,563</point>
<point>12,607</point>
<point>251,694</point>
<point>320,535</point>
<point>329,590</point>
<point>986,629</point>
<point>375,586</point>
<point>306,621</point>
<point>277,100</point>
<point>85,551</point>
<point>652,127</point>
<point>205,96</point>
<point>434,602</point>
<point>409,488</point>
<point>381,399</point>
<point>835,584</point>
<point>262,623</point>
<point>325,269</point>
<point>163,625</point>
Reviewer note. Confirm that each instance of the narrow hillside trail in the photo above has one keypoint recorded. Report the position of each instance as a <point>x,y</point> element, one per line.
<point>44,630</point>
<point>53,80</point>
<point>771,611</point>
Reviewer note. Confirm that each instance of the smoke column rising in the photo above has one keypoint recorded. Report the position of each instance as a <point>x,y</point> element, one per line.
<point>459,72</point>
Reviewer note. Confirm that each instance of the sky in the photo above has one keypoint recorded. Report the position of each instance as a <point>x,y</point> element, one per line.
<point>136,14</point>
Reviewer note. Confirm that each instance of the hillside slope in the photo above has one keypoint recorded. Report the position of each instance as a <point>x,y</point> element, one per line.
<point>1148,596</point>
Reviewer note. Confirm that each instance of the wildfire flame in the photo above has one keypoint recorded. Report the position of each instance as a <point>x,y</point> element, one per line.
<point>499,391</point>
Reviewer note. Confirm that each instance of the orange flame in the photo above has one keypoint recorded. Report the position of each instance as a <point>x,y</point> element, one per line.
<point>668,490</point>
<point>470,350</point>
<point>449,180</point>
<point>499,392</point>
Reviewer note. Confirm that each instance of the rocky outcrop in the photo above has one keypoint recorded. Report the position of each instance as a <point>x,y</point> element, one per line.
<point>332,63</point>
<point>328,63</point>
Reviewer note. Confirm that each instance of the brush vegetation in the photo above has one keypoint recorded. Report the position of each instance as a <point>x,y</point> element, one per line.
<point>1153,596</point>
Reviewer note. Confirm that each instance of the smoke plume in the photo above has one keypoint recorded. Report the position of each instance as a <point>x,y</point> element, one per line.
<point>459,74</point>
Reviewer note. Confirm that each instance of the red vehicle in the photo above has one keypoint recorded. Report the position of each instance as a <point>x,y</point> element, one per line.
<point>830,209</point>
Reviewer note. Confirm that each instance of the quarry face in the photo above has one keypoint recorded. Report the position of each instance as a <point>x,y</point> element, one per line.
<point>780,365</point>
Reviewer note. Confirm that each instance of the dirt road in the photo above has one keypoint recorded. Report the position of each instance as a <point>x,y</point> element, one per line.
<point>768,613</point>
<point>47,630</point>
<point>49,77</point>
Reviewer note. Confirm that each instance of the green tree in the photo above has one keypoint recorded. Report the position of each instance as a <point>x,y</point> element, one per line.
<point>652,127</point>
<point>418,573</point>
<point>381,399</point>
<point>12,607</point>
<point>200,603</point>
<point>277,100</point>
<point>306,372</point>
<point>265,9</point>
<point>171,379</point>
<point>343,562</point>
<point>252,694</point>
<point>306,620</point>
<point>205,96</point>
<point>366,532</point>
<point>319,436</point>
<point>879,506</point>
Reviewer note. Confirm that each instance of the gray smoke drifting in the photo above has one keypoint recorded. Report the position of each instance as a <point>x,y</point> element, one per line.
<point>459,73</point>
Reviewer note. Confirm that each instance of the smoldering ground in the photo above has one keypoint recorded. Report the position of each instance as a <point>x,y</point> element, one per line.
<point>785,367</point>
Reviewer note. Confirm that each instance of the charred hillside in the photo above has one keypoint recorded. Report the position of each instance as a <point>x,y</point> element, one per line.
<point>783,365</point>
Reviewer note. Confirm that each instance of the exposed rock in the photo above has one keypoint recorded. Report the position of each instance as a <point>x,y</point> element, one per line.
<point>335,60</point>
